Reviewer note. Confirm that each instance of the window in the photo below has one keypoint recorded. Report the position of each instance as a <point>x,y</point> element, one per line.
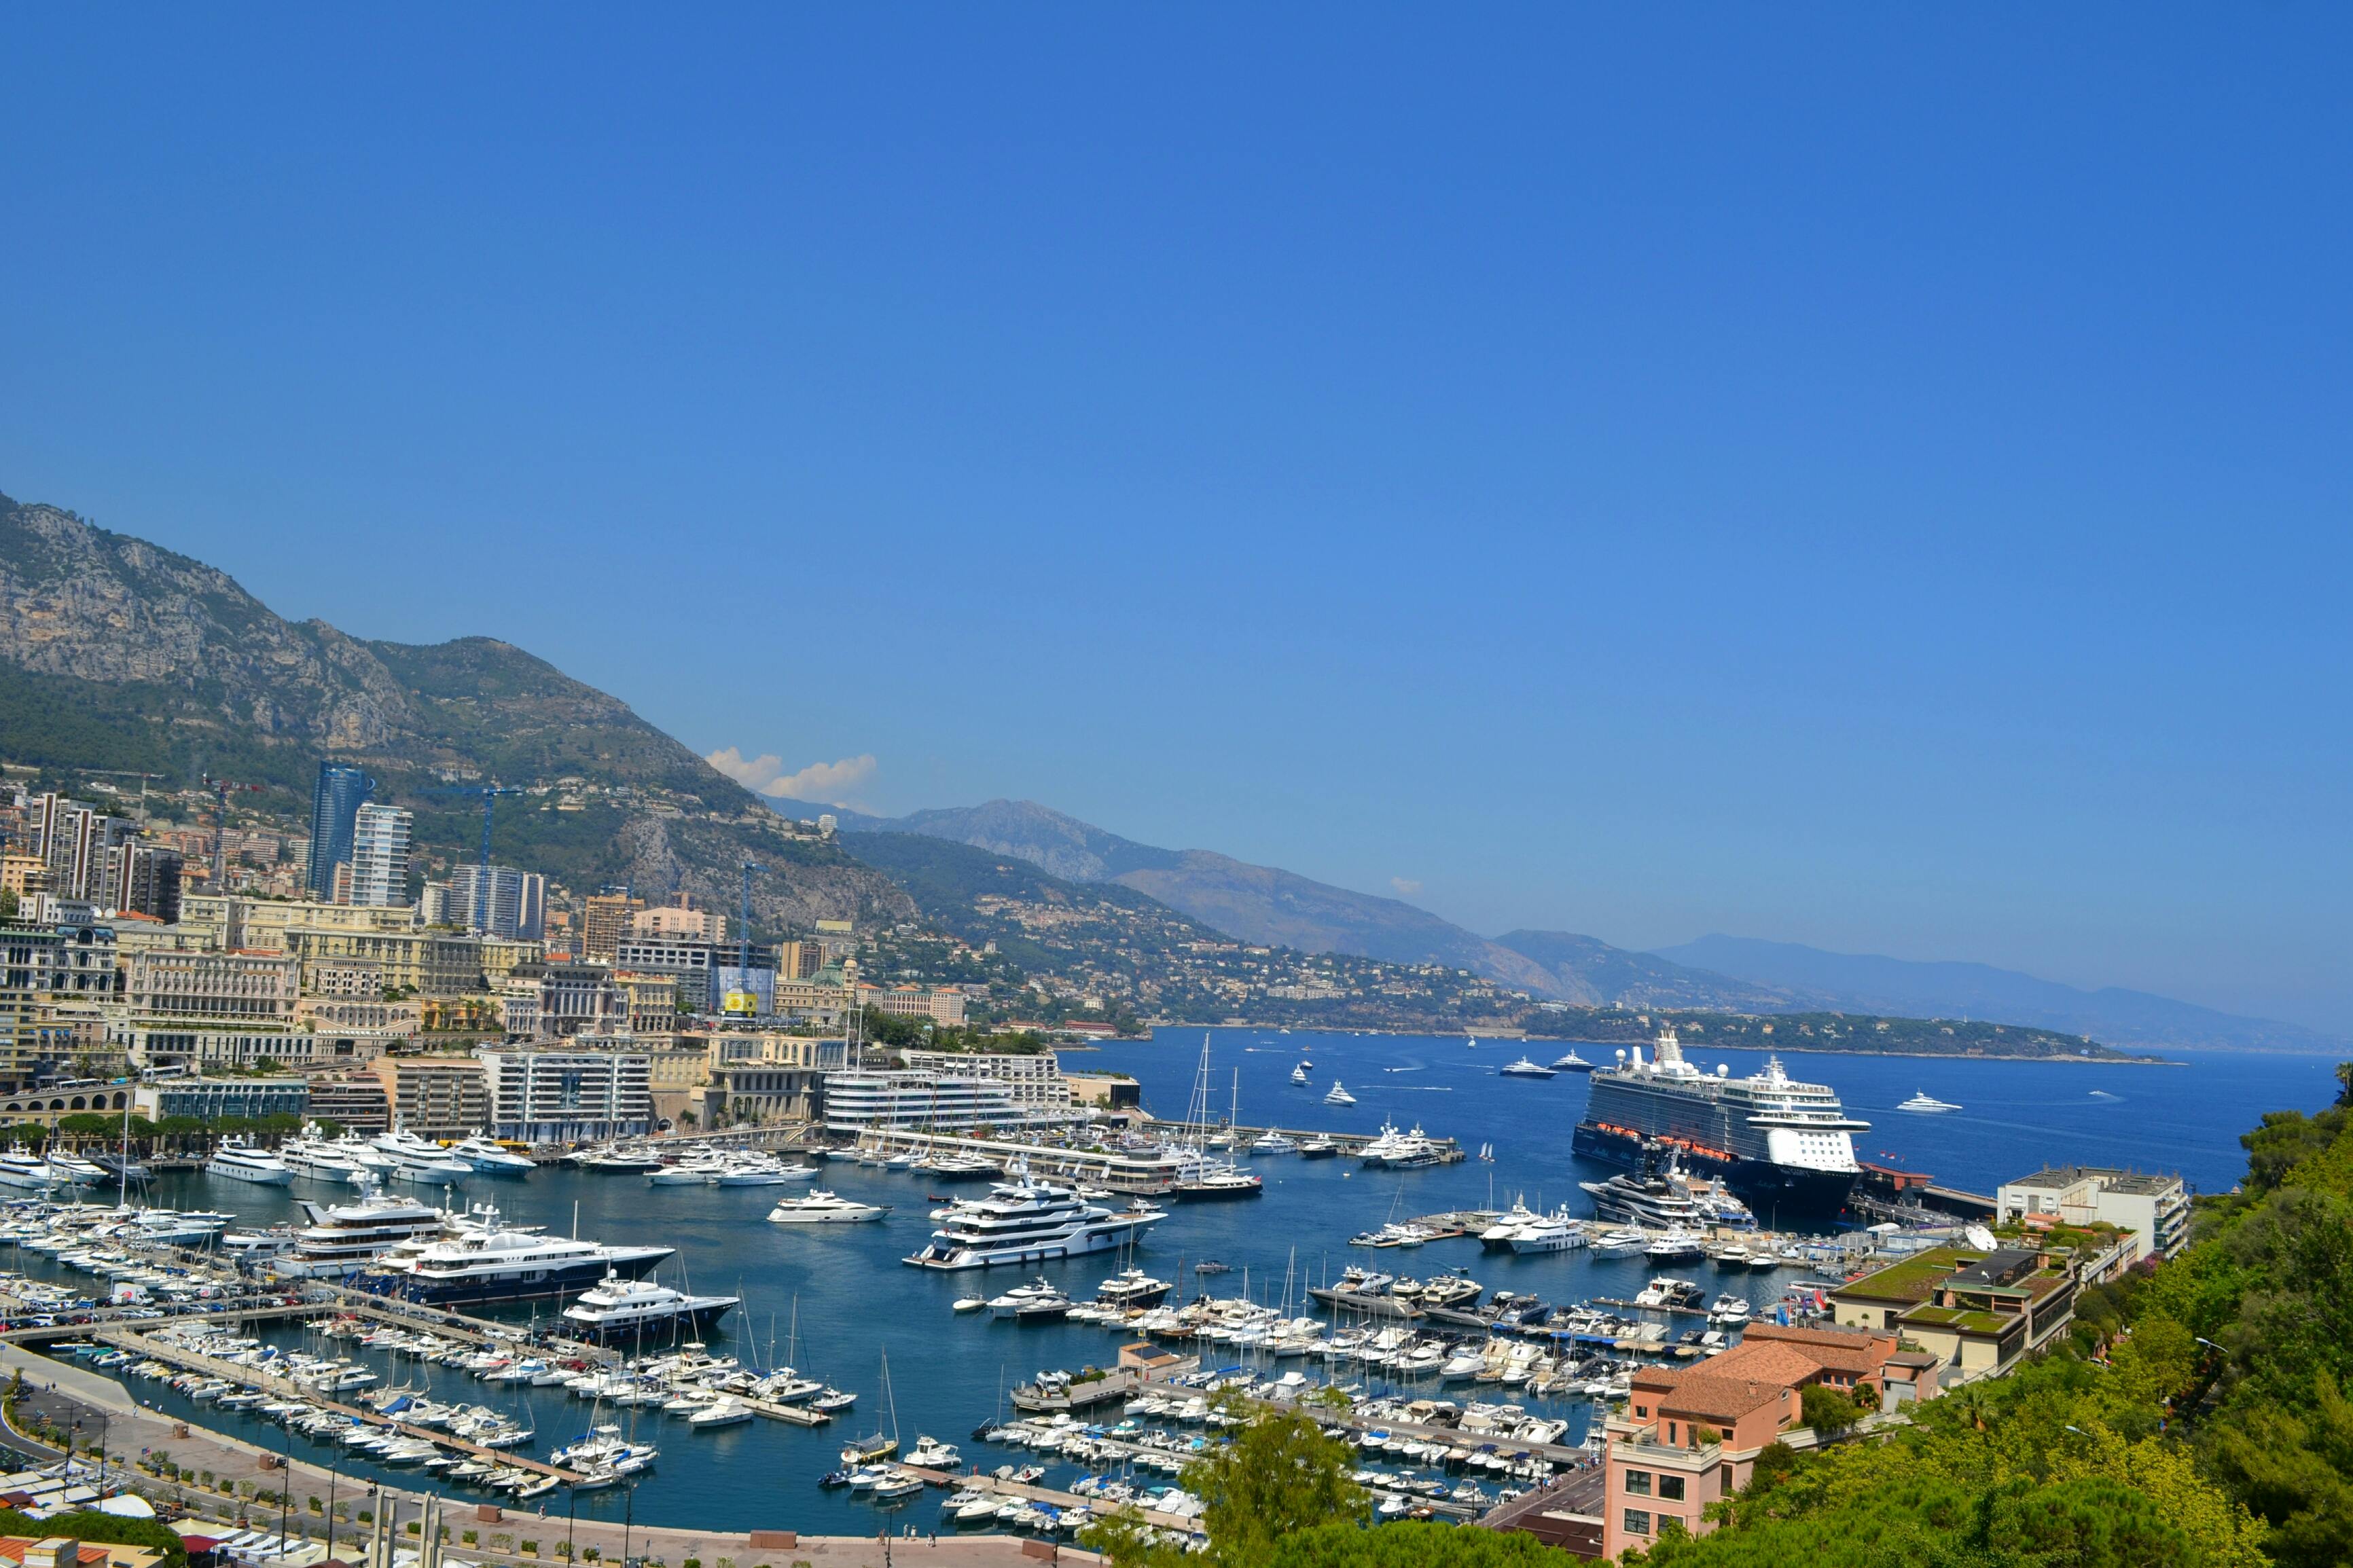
<point>1638,1521</point>
<point>1638,1483</point>
<point>1671,1489</point>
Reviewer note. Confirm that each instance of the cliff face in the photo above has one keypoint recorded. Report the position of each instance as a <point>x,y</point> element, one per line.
<point>116,653</point>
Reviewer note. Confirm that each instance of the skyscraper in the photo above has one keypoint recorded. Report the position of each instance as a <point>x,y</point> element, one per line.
<point>502,900</point>
<point>380,856</point>
<point>334,813</point>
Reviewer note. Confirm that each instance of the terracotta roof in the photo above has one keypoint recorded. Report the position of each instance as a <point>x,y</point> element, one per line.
<point>1839,1349</point>
<point>12,1547</point>
<point>1710,1398</point>
<point>1766,1362</point>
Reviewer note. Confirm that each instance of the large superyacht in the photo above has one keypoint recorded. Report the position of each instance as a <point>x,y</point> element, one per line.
<point>1024,1222</point>
<point>1774,1140</point>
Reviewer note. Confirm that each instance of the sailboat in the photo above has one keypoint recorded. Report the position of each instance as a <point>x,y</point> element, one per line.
<point>1203,1176</point>
<point>867,1450</point>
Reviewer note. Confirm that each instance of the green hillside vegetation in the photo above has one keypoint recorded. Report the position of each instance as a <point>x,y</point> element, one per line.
<point>1833,1032</point>
<point>2198,1417</point>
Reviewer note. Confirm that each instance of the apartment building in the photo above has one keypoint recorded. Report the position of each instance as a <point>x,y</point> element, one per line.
<point>379,875</point>
<point>2155,1208</point>
<point>678,921</point>
<point>429,964</point>
<point>434,1097</point>
<point>249,987</point>
<point>565,1096</point>
<point>1689,1436</point>
<point>208,1099</point>
<point>373,1014</point>
<point>1975,1311</point>
<point>356,1104</point>
<point>862,1101</point>
<point>942,1004</point>
<point>1034,1079</point>
<point>45,968</point>
<point>235,921</point>
<point>605,925</point>
<point>761,1076</point>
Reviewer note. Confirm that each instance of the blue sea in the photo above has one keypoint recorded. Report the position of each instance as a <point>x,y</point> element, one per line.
<point>836,1299</point>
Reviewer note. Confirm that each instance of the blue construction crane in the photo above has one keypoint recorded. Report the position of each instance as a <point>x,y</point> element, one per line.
<point>489,794</point>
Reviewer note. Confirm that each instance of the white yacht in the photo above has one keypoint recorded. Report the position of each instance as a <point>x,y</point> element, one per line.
<point>1572,1062</point>
<point>325,1159</point>
<point>1022,1221</point>
<point>1273,1142</point>
<point>488,1157</point>
<point>614,1308</point>
<point>1336,1095</point>
<point>416,1159</point>
<point>343,1239</point>
<point>1553,1233</point>
<point>237,1158</point>
<point>760,1170</point>
<point>18,1169</point>
<point>495,1264</point>
<point>1299,1075</point>
<point>698,1170</point>
<point>821,1208</point>
<point>1927,1104</point>
<point>71,1171</point>
<point>1524,1067</point>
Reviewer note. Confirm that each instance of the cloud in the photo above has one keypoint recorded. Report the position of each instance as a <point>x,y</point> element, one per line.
<point>823,783</point>
<point>1406,886</point>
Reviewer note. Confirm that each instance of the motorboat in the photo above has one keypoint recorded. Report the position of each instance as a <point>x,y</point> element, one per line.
<point>760,1170</point>
<point>1728,1310</point>
<point>1318,1149</point>
<point>613,1160</point>
<point>1668,1292</point>
<point>1623,1242</point>
<point>1040,1303</point>
<point>1132,1288</point>
<point>822,1207</point>
<point>490,1157</point>
<point>1272,1143</point>
<point>615,1306</point>
<point>237,1158</point>
<point>697,1172</point>
<point>1927,1104</point>
<point>1554,1233</point>
<point>1022,1221</point>
<point>416,1159</point>
<point>1675,1245</point>
<point>1336,1095</point>
<point>1524,1067</point>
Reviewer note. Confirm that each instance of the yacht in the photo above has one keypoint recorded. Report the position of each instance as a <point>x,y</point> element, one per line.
<point>1205,1180</point>
<point>490,1157</point>
<point>1572,1063</point>
<point>1299,1074</point>
<point>1497,1236</point>
<point>614,1308</point>
<point>1041,1303</point>
<point>1132,1288</point>
<point>1272,1143</point>
<point>1394,1150</point>
<point>1318,1149</point>
<point>1668,1292</point>
<point>1524,1067</point>
<point>494,1263</point>
<point>821,1208</point>
<point>1554,1233</point>
<point>416,1159</point>
<point>1623,1242</point>
<point>1336,1095</point>
<point>324,1159</point>
<point>1770,1136</point>
<point>1022,1221</point>
<point>1670,1197</point>
<point>240,1160</point>
<point>760,1170</point>
<point>343,1239</point>
<point>1675,1245</point>
<point>615,1161</point>
<point>700,1170</point>
<point>69,1171</point>
<point>19,1169</point>
<point>1927,1104</point>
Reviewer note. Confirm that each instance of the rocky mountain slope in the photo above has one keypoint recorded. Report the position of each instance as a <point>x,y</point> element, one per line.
<point>115,653</point>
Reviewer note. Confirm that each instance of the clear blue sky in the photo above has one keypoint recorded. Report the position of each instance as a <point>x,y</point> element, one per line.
<point>1855,475</point>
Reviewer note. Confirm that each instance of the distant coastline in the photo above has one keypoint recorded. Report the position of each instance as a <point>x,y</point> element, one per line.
<point>2107,1055</point>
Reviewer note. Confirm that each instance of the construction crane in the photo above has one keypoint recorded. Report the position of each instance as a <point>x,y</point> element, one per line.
<point>222,789</point>
<point>489,794</point>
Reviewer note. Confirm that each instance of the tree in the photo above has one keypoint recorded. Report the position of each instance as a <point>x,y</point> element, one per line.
<point>1278,1475</point>
<point>1826,1410</point>
<point>1409,1544</point>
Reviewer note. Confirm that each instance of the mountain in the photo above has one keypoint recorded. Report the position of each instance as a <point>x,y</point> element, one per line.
<point>1868,983</point>
<point>1259,904</point>
<point>118,654</point>
<point>1589,971</point>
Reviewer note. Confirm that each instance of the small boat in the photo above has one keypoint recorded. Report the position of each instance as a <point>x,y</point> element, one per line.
<point>1524,1067</point>
<point>1211,1266</point>
<point>1336,1095</point>
<point>969,1304</point>
<point>1927,1104</point>
<point>1572,1063</point>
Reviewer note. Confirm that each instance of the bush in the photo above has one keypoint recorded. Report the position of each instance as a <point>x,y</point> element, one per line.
<point>528,1548</point>
<point>1826,1410</point>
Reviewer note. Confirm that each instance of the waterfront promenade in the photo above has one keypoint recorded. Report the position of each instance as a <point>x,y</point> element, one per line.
<point>67,1393</point>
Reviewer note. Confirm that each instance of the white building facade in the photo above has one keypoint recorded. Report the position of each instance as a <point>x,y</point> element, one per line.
<point>568,1096</point>
<point>380,839</point>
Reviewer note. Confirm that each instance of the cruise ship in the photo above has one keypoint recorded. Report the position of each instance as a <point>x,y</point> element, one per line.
<point>493,1264</point>
<point>1026,1222</point>
<point>340,1239</point>
<point>1773,1140</point>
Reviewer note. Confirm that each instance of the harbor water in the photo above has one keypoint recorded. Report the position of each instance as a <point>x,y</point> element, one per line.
<point>832,1299</point>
